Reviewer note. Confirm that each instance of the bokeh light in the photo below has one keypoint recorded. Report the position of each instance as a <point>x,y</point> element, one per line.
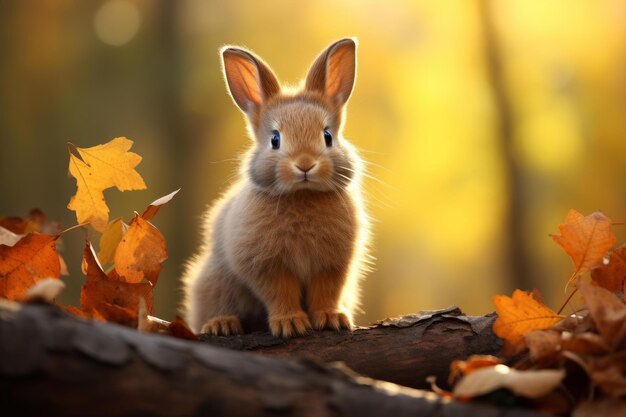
<point>116,22</point>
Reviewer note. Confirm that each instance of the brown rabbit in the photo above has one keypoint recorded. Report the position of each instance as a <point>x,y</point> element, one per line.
<point>291,235</point>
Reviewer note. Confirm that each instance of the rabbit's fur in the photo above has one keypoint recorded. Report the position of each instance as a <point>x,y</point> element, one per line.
<point>291,235</point>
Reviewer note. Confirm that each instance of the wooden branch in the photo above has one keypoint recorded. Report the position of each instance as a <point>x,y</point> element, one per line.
<point>55,364</point>
<point>404,350</point>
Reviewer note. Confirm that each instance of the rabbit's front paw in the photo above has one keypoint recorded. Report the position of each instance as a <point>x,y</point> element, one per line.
<point>289,325</point>
<point>222,326</point>
<point>330,319</point>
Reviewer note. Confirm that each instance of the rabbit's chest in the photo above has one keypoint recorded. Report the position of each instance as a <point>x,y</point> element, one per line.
<point>304,236</point>
<point>312,240</point>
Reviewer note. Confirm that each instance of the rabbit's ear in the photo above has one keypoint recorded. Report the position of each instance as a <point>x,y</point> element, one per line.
<point>333,72</point>
<point>250,81</point>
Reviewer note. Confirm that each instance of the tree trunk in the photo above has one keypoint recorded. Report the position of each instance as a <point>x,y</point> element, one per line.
<point>55,364</point>
<point>403,350</point>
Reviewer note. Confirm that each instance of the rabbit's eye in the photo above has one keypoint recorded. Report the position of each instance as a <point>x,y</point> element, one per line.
<point>328,137</point>
<point>275,140</point>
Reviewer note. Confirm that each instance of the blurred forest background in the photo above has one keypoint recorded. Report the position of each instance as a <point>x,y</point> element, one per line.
<point>484,122</point>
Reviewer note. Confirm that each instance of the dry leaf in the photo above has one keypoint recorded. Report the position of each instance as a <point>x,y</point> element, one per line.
<point>607,372</point>
<point>31,259</point>
<point>86,314</point>
<point>587,342</point>
<point>530,384</point>
<point>149,324</point>
<point>98,168</point>
<point>141,253</point>
<point>146,323</point>
<point>543,345</point>
<point>458,368</point>
<point>16,225</point>
<point>8,238</point>
<point>64,270</point>
<point>607,312</point>
<point>601,408</point>
<point>155,206</point>
<point>586,239</point>
<point>612,275</point>
<point>111,237</point>
<point>45,290</point>
<point>519,315</point>
<point>178,328</point>
<point>115,300</point>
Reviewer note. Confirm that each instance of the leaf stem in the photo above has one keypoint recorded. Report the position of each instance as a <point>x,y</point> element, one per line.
<point>567,300</point>
<point>76,226</point>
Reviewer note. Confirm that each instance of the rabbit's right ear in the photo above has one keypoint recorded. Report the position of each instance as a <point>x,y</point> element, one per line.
<point>250,81</point>
<point>334,71</point>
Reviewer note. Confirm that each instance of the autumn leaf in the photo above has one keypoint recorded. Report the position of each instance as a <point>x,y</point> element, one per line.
<point>519,315</point>
<point>612,275</point>
<point>178,328</point>
<point>530,384</point>
<point>607,312</point>
<point>156,205</point>
<point>31,259</point>
<point>46,290</point>
<point>607,372</point>
<point>111,237</point>
<point>114,300</point>
<point>96,169</point>
<point>458,368</point>
<point>613,407</point>
<point>35,222</point>
<point>8,238</point>
<point>586,239</point>
<point>141,253</point>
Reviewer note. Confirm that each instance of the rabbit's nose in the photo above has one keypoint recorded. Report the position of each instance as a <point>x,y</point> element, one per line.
<point>306,168</point>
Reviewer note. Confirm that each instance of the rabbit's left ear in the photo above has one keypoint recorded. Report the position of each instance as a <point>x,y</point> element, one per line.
<point>250,81</point>
<point>334,71</point>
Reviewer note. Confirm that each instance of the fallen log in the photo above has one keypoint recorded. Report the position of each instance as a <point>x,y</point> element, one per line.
<point>54,364</point>
<point>403,350</point>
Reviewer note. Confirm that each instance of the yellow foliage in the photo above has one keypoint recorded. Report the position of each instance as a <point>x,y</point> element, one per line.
<point>98,168</point>
<point>519,315</point>
<point>109,240</point>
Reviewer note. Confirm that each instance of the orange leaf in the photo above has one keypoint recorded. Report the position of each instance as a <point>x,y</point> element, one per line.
<point>16,225</point>
<point>96,169</point>
<point>459,368</point>
<point>586,239</point>
<point>178,328</point>
<point>155,206</point>
<point>519,315</point>
<point>612,275</point>
<point>113,299</point>
<point>141,253</point>
<point>31,259</point>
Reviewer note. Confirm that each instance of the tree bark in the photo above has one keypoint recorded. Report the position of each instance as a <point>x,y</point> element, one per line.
<point>403,350</point>
<point>55,364</point>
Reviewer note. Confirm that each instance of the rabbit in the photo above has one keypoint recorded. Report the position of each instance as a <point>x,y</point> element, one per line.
<point>286,246</point>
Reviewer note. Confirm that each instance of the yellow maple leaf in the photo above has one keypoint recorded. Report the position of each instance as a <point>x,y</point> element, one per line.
<point>520,314</point>
<point>96,169</point>
<point>111,237</point>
